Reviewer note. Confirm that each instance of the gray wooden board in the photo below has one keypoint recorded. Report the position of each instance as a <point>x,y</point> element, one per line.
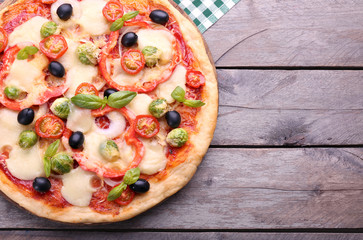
<point>248,189</point>
<point>260,107</point>
<point>289,33</point>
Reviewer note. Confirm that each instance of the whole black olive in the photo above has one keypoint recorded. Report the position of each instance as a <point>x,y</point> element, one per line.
<point>56,69</point>
<point>173,119</point>
<point>129,39</point>
<point>26,116</point>
<point>41,184</point>
<point>109,91</point>
<point>159,16</point>
<point>64,11</point>
<point>140,186</point>
<point>76,140</point>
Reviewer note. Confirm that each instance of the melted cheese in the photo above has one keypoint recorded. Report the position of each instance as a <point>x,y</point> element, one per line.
<point>92,20</point>
<point>116,128</point>
<point>28,31</point>
<point>140,104</point>
<point>9,128</point>
<point>165,89</point>
<point>92,144</point>
<point>154,159</point>
<point>120,76</point>
<point>80,119</point>
<point>70,23</point>
<point>77,188</point>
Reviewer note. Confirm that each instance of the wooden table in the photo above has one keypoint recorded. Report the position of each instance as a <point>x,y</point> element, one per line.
<point>287,158</point>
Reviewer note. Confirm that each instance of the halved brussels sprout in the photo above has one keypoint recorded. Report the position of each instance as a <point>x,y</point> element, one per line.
<point>109,150</point>
<point>88,53</point>
<point>177,137</point>
<point>61,163</point>
<point>12,92</point>
<point>48,29</point>
<point>61,107</point>
<point>27,139</point>
<point>158,107</point>
<point>152,55</point>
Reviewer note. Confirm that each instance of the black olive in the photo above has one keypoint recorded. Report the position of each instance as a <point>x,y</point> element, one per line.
<point>140,186</point>
<point>159,16</point>
<point>129,39</point>
<point>173,119</point>
<point>64,11</point>
<point>109,91</point>
<point>26,116</point>
<point>41,184</point>
<point>56,69</point>
<point>76,140</point>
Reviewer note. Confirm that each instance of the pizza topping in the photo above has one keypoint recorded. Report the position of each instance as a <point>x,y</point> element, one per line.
<point>41,184</point>
<point>80,119</point>
<point>140,104</point>
<point>26,116</point>
<point>111,125</point>
<point>140,186</point>
<point>129,39</point>
<point>120,99</point>
<point>88,53</point>
<point>109,91</point>
<point>131,176</point>
<point>76,140</point>
<point>179,95</point>
<point>109,150</point>
<point>56,69</point>
<point>49,126</point>
<point>132,61</point>
<point>53,46</point>
<point>61,163</point>
<point>154,159</point>
<point>159,16</point>
<point>12,92</point>
<point>48,29</point>
<point>27,139</point>
<point>195,79</point>
<point>112,11</point>
<point>173,119</point>
<point>3,39</point>
<point>87,88</point>
<point>152,55</point>
<point>126,197</point>
<point>177,137</point>
<point>65,11</point>
<point>158,107</point>
<point>165,89</point>
<point>61,107</point>
<point>26,52</point>
<point>146,126</point>
<point>119,23</point>
<point>48,155</point>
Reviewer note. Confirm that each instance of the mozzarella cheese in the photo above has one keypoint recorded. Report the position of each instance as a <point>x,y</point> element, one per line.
<point>77,188</point>
<point>9,128</point>
<point>76,13</point>
<point>80,119</point>
<point>165,89</point>
<point>140,104</point>
<point>120,76</point>
<point>92,144</point>
<point>92,20</point>
<point>154,159</point>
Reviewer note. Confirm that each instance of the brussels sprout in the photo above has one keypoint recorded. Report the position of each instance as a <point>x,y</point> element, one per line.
<point>177,137</point>
<point>61,107</point>
<point>27,139</point>
<point>88,53</point>
<point>158,107</point>
<point>12,92</point>
<point>109,150</point>
<point>152,55</point>
<point>61,163</point>
<point>48,29</point>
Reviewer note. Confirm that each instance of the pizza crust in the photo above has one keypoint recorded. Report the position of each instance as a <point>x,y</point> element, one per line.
<point>177,178</point>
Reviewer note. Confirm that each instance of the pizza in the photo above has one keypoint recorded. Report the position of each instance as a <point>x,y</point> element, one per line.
<point>106,107</point>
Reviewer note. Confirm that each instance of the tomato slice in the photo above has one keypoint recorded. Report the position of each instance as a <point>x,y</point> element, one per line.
<point>53,46</point>
<point>133,61</point>
<point>3,39</point>
<point>112,11</point>
<point>195,79</point>
<point>103,122</point>
<point>87,88</point>
<point>146,126</point>
<point>126,197</point>
<point>49,126</point>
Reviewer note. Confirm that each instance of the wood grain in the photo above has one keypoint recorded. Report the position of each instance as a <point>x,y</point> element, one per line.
<point>249,189</point>
<point>289,33</point>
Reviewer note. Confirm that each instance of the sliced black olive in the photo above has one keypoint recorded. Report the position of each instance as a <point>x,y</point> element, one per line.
<point>76,140</point>
<point>41,184</point>
<point>159,16</point>
<point>140,186</point>
<point>109,91</point>
<point>173,119</point>
<point>26,116</point>
<point>64,11</point>
<point>129,39</point>
<point>56,69</point>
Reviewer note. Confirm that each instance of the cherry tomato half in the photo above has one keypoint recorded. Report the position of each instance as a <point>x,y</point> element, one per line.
<point>133,61</point>
<point>86,88</point>
<point>53,46</point>
<point>112,11</point>
<point>126,197</point>
<point>146,126</point>
<point>3,39</point>
<point>103,122</point>
<point>49,126</point>
<point>195,79</point>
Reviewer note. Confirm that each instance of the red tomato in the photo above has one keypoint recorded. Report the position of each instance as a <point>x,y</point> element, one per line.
<point>103,122</point>
<point>86,88</point>
<point>112,11</point>
<point>3,39</point>
<point>195,79</point>
<point>146,126</point>
<point>49,126</point>
<point>126,197</point>
<point>53,46</point>
<point>133,61</point>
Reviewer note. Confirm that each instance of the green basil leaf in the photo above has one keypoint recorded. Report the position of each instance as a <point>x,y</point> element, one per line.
<point>178,94</point>
<point>87,101</point>
<point>117,25</point>
<point>49,153</point>
<point>131,176</point>
<point>47,166</point>
<point>31,50</point>
<point>26,52</point>
<point>116,192</point>
<point>120,99</point>
<point>193,103</point>
<point>130,15</point>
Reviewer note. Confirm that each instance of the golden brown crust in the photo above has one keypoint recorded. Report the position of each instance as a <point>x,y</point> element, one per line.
<point>177,177</point>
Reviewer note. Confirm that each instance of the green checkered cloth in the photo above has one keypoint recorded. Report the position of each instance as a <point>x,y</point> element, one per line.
<point>205,13</point>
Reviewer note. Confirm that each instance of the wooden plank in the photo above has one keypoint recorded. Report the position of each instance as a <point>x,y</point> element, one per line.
<point>289,33</point>
<point>80,235</point>
<point>248,189</point>
<point>260,107</point>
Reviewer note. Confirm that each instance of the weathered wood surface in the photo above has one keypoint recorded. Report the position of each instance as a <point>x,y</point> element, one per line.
<point>289,33</point>
<point>260,107</point>
<point>248,189</point>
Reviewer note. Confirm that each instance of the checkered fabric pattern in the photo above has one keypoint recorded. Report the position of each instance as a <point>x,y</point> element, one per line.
<point>205,13</point>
